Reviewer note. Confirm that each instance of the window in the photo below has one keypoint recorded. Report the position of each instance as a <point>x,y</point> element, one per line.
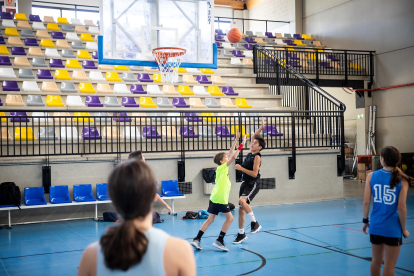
<point>46,12</point>
<point>68,14</point>
<point>81,15</point>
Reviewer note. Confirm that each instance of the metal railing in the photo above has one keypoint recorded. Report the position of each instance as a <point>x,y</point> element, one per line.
<point>248,19</point>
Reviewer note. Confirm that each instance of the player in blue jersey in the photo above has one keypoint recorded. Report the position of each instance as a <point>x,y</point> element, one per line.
<point>389,187</point>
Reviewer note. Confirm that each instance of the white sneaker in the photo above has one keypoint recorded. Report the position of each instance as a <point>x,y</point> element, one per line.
<point>196,244</point>
<point>220,245</point>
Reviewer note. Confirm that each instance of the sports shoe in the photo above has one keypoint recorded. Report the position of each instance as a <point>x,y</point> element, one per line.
<point>220,245</point>
<point>196,244</point>
<point>255,227</point>
<point>240,238</point>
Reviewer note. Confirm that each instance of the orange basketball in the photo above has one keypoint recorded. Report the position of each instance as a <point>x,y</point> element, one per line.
<point>234,35</point>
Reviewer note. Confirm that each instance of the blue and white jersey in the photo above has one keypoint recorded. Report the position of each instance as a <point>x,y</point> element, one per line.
<point>384,217</point>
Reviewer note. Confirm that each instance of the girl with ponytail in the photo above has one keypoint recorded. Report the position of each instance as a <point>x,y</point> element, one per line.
<point>134,246</point>
<point>388,187</point>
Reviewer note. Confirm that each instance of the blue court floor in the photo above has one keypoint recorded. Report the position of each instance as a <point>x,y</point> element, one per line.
<point>320,238</point>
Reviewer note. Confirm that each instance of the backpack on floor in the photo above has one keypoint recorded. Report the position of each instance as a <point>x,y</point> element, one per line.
<point>231,206</point>
<point>10,194</point>
<point>202,214</point>
<point>156,218</point>
<point>111,216</point>
<point>190,215</point>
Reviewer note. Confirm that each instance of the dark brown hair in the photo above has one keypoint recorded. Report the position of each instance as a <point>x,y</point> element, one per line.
<point>392,158</point>
<point>261,141</point>
<point>135,155</point>
<point>219,156</point>
<point>132,188</point>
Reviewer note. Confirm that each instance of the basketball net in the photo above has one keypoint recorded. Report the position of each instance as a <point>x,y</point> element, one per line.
<point>168,60</point>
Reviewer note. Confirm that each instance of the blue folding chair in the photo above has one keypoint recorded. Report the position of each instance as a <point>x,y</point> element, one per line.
<point>83,193</point>
<point>170,188</point>
<point>102,191</point>
<point>34,196</point>
<point>59,194</point>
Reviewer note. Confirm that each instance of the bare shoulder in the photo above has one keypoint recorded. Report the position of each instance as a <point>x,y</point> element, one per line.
<point>404,184</point>
<point>179,257</point>
<point>178,246</point>
<point>89,258</point>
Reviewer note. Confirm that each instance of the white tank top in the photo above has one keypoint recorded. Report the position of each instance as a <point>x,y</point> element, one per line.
<point>152,262</point>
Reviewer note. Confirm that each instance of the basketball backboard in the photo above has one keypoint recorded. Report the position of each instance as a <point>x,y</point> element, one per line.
<point>131,29</point>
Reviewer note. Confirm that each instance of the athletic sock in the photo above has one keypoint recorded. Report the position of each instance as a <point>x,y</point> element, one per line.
<point>251,215</point>
<point>221,236</point>
<point>241,231</point>
<point>199,235</point>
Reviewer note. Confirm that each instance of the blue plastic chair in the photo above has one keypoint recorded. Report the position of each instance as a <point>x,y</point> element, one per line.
<point>83,193</point>
<point>170,188</point>
<point>102,191</point>
<point>59,194</point>
<point>34,196</point>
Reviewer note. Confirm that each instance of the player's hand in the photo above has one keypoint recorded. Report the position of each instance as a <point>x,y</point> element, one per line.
<point>238,135</point>
<point>262,122</point>
<point>238,167</point>
<point>364,228</point>
<point>244,140</point>
<point>406,234</point>
<point>170,211</point>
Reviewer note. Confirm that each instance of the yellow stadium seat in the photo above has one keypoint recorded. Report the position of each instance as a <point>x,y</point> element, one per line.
<point>86,37</point>
<point>54,100</point>
<point>4,50</point>
<point>83,54</point>
<point>242,103</point>
<point>46,43</point>
<point>146,102</point>
<point>184,90</point>
<point>11,32</point>
<point>112,76</point>
<point>156,77</point>
<point>356,66</point>
<point>121,68</point>
<point>207,71</point>
<point>14,100</point>
<point>62,75</point>
<point>214,91</point>
<point>210,117</point>
<point>299,43</point>
<point>82,120</point>
<point>2,115</point>
<point>52,27</point>
<point>307,37</point>
<point>62,20</point>
<point>292,49</point>
<point>181,70</point>
<point>20,16</point>
<point>86,87</point>
<point>24,134</point>
<point>73,63</point>
<point>243,132</point>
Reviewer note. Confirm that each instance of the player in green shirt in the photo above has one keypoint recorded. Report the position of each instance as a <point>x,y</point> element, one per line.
<point>219,198</point>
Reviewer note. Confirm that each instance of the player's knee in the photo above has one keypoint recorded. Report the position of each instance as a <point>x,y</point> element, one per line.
<point>210,219</point>
<point>376,262</point>
<point>242,201</point>
<point>230,219</point>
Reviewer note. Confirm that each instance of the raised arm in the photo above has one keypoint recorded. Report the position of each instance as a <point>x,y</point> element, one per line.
<point>257,131</point>
<point>234,155</point>
<point>367,202</point>
<point>231,151</point>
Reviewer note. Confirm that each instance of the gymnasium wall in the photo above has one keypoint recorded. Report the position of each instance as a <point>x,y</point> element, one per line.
<point>270,10</point>
<point>386,27</point>
<point>303,188</point>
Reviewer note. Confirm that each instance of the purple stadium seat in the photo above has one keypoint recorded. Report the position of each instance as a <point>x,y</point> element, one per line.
<point>326,65</point>
<point>294,63</point>
<point>18,51</point>
<point>1,104</point>
<point>95,54</point>
<point>144,77</point>
<point>58,35</point>
<point>5,61</point>
<point>180,103</point>
<point>249,40</point>
<point>44,74</point>
<point>237,53</point>
<point>271,130</point>
<point>292,56</point>
<point>10,86</point>
<point>89,64</point>
<point>333,58</point>
<point>290,42</point>
<point>93,101</point>
<point>129,102</point>
<point>223,131</point>
<point>188,132</point>
<point>91,133</point>
<point>19,117</point>
<point>219,32</point>
<point>248,46</point>
<point>56,63</point>
<point>229,91</point>
<point>270,62</point>
<point>123,117</point>
<point>298,36</point>
<point>219,45</point>
<point>203,79</point>
<point>138,89</point>
<point>2,40</point>
<point>6,15</point>
<point>31,42</point>
<point>219,38</point>
<point>34,17</point>
<point>269,35</point>
<point>192,117</point>
<point>150,132</point>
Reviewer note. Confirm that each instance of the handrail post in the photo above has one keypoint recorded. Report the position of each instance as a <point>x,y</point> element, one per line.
<point>371,72</point>
<point>243,25</point>
<point>266,26</point>
<point>255,59</point>
<point>218,22</point>
<point>287,64</point>
<point>292,159</point>
<point>341,157</point>
<point>346,68</point>
<point>317,66</point>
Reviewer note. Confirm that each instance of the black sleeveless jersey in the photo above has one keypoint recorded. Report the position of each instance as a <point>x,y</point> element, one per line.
<point>248,164</point>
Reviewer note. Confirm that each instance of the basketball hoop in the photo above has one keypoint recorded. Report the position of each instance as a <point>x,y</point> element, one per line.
<point>168,60</point>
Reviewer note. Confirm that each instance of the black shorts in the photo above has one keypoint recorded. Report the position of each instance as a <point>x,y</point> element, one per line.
<point>249,190</point>
<point>215,208</point>
<point>376,239</point>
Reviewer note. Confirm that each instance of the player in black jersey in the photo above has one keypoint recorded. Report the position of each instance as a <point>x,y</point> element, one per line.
<point>249,188</point>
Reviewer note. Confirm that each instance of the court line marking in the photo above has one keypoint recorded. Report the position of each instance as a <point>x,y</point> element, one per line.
<point>260,267</point>
<point>320,246</point>
<point>40,254</point>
